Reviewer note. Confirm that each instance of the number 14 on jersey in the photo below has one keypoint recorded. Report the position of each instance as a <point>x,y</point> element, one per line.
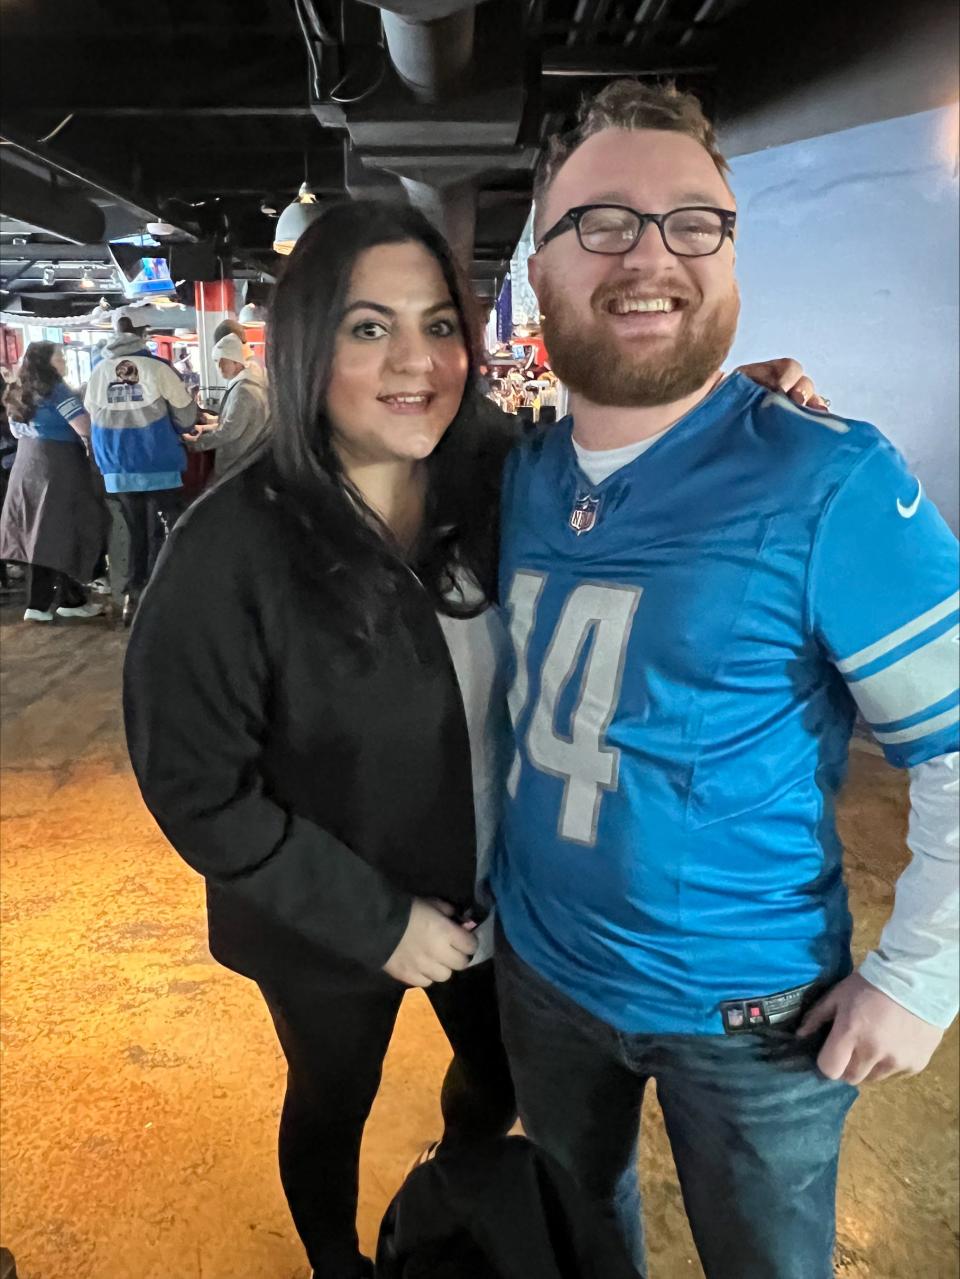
<point>582,759</point>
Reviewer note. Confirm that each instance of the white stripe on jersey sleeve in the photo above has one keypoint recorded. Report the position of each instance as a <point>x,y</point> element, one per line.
<point>70,407</point>
<point>900,636</point>
<point>908,686</point>
<point>902,681</point>
<point>933,725</point>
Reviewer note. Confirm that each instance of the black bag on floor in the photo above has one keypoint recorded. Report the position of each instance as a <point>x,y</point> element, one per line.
<point>497,1210</point>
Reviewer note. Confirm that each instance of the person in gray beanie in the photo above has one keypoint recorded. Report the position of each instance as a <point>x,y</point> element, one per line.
<point>244,412</point>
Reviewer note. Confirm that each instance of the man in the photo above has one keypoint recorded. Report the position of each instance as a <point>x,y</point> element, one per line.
<point>139,409</point>
<point>704,581</point>
<point>242,422</point>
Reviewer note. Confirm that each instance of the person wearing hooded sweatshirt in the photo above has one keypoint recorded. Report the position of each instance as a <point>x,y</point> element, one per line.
<point>242,422</point>
<point>139,408</point>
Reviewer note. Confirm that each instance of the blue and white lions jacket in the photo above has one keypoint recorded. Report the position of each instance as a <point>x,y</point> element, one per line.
<point>138,408</point>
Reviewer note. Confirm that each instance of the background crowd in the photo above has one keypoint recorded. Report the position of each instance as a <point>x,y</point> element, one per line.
<point>66,453</point>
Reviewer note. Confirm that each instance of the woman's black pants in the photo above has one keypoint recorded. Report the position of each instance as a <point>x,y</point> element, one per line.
<point>335,1043</point>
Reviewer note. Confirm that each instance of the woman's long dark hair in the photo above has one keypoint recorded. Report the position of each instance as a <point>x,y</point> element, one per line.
<point>352,551</point>
<point>36,381</point>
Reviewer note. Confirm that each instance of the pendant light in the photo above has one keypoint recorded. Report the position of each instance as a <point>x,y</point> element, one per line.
<point>295,219</point>
<point>253,313</point>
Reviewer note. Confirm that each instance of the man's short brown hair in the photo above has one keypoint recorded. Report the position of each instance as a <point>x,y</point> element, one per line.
<point>630,104</point>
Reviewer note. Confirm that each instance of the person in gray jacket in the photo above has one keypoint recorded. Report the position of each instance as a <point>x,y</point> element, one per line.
<point>243,418</point>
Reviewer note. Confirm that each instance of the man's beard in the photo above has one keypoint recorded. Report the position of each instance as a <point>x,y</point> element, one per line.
<point>643,374</point>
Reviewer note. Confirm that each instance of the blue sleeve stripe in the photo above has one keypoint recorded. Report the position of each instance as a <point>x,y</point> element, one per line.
<point>928,712</point>
<point>923,729</point>
<point>919,679</point>
<point>848,665</point>
<point>910,754</point>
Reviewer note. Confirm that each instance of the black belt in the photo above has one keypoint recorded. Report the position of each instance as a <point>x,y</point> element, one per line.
<point>740,1016</point>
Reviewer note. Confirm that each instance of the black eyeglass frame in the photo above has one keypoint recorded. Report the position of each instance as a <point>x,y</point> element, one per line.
<point>571,220</point>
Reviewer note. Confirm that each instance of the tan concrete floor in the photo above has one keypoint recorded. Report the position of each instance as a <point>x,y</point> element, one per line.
<point>141,1083</point>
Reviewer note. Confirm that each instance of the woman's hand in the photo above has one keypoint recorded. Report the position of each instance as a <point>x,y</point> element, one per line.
<point>788,377</point>
<point>433,947</point>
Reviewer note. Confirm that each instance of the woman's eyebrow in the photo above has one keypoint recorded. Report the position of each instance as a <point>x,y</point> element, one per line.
<point>363,305</point>
<point>371,306</point>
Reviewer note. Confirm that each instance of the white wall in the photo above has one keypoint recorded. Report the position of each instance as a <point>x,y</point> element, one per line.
<point>848,260</point>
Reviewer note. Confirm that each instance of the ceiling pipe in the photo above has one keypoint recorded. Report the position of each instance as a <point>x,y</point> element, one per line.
<point>431,46</point>
<point>433,57</point>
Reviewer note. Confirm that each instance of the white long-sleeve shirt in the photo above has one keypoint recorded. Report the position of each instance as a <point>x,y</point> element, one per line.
<point>917,960</point>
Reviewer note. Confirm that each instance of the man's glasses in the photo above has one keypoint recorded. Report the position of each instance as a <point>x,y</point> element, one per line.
<point>615,229</point>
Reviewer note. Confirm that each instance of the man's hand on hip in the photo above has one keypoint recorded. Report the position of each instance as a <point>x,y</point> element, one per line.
<point>872,1037</point>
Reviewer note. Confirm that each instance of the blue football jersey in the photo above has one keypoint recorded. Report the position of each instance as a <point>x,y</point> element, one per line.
<point>692,638</point>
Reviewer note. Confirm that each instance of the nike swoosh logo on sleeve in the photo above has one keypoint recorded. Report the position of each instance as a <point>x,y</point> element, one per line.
<point>908,512</point>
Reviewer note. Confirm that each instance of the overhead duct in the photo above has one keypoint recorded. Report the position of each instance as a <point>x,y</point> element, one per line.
<point>430,57</point>
<point>431,46</point>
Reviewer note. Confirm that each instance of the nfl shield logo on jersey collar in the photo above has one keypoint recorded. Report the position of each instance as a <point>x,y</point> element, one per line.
<point>584,514</point>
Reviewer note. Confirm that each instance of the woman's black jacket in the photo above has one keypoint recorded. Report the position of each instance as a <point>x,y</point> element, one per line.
<point>316,793</point>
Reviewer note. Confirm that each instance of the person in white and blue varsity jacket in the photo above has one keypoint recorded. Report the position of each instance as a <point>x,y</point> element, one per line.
<point>704,582</point>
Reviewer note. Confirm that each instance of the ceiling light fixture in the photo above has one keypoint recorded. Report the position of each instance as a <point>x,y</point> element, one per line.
<point>85,281</point>
<point>295,219</point>
<point>253,313</point>
<point>49,276</point>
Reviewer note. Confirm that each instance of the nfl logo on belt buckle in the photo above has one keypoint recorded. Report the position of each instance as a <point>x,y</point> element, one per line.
<point>584,514</point>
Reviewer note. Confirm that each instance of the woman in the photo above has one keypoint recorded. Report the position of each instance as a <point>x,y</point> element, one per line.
<point>53,520</point>
<point>300,718</point>
<point>314,697</point>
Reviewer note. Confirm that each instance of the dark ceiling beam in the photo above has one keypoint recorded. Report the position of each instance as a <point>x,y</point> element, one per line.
<point>8,279</point>
<point>47,205</point>
<point>252,172</point>
<point>79,22</point>
<point>556,29</point>
<point>578,24</point>
<point>39,252</point>
<point>32,158</point>
<point>585,62</point>
<point>199,112</point>
<point>62,288</point>
<point>423,10</point>
<point>203,74</point>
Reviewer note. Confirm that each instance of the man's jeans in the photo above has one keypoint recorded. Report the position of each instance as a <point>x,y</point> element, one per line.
<point>754,1127</point>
